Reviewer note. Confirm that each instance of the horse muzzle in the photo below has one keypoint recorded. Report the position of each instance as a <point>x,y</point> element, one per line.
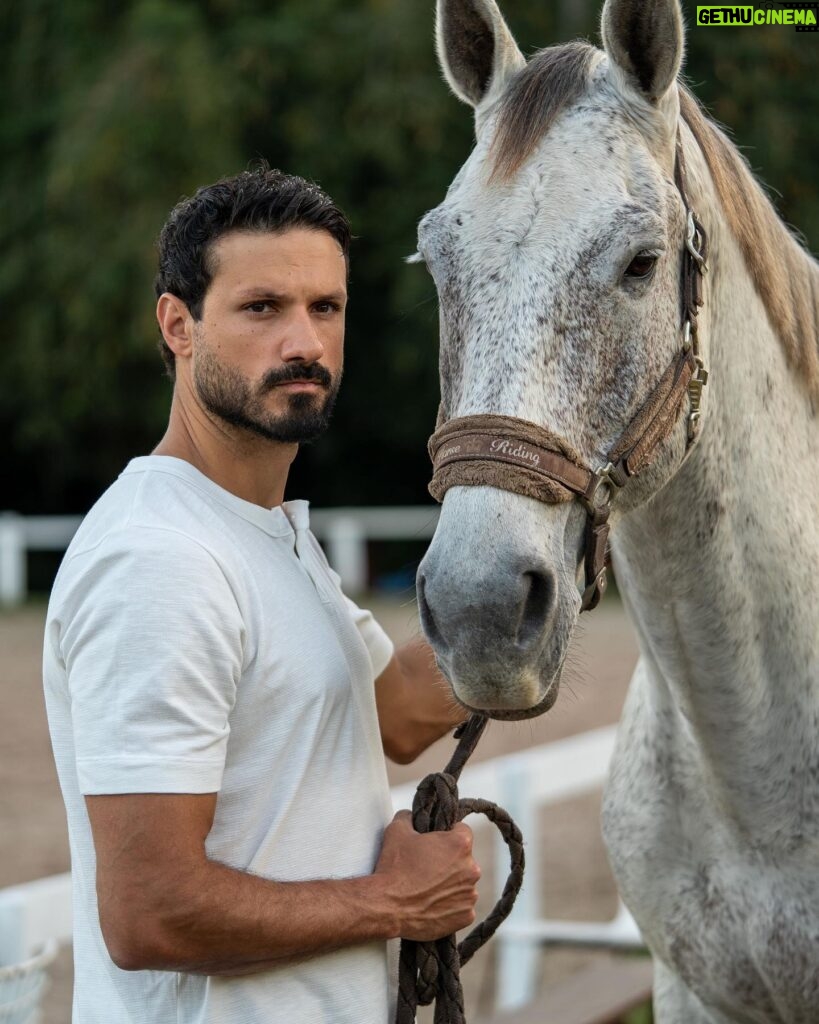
<point>495,608</point>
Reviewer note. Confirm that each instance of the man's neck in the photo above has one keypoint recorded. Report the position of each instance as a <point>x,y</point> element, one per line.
<point>250,467</point>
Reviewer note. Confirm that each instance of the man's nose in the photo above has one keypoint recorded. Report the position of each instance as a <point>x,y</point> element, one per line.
<point>302,341</point>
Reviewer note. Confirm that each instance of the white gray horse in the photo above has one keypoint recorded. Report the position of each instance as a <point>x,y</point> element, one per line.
<point>557,256</point>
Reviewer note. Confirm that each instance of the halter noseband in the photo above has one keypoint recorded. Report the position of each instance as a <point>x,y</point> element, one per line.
<point>519,456</point>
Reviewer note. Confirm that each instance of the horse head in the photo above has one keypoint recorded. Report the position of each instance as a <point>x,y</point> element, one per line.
<point>557,255</point>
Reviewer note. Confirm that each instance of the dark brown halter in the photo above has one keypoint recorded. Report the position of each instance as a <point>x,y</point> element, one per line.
<point>519,456</point>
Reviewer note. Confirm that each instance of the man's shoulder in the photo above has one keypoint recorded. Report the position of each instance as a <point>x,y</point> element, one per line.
<point>149,524</point>
<point>147,510</point>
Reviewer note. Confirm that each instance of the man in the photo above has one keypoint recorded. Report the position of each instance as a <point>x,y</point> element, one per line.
<point>217,706</point>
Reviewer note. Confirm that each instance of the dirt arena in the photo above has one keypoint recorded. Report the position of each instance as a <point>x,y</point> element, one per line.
<point>576,880</point>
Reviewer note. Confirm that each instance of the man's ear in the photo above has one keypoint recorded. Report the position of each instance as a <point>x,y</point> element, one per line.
<point>644,40</point>
<point>176,323</point>
<point>476,50</point>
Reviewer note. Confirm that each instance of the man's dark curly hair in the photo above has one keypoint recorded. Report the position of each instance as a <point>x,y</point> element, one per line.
<point>259,199</point>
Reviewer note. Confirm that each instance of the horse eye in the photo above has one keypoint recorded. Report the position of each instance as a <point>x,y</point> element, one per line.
<point>642,265</point>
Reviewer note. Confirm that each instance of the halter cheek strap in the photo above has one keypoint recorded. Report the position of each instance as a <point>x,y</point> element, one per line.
<point>516,455</point>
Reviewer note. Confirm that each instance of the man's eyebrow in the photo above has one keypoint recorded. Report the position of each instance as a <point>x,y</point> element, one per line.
<point>263,292</point>
<point>258,291</point>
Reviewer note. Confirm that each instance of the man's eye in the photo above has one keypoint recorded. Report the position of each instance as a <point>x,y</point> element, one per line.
<point>258,307</point>
<point>327,307</point>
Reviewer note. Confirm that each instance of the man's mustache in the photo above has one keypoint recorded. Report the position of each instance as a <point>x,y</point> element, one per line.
<point>314,372</point>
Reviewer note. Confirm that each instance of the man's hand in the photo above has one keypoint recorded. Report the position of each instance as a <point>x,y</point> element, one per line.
<point>431,877</point>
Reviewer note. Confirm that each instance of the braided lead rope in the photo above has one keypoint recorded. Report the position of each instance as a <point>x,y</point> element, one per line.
<point>430,971</point>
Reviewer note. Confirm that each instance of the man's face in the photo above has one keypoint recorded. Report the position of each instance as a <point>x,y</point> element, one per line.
<point>268,350</point>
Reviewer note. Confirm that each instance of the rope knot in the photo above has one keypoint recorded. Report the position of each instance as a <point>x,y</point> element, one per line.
<point>435,807</point>
<point>430,971</point>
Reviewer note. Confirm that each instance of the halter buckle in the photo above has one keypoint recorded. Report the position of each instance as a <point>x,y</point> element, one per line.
<point>693,242</point>
<point>695,386</point>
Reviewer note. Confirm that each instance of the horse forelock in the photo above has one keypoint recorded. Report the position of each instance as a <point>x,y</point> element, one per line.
<point>785,276</point>
<point>551,81</point>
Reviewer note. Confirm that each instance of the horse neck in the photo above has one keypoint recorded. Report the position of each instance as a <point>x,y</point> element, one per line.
<point>721,568</point>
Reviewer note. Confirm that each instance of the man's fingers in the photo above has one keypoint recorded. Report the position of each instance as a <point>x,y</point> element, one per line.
<point>464,833</point>
<point>460,834</point>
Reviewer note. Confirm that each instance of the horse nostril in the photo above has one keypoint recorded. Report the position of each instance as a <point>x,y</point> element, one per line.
<point>536,609</point>
<point>428,623</point>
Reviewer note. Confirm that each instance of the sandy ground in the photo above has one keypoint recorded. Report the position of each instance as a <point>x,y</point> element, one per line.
<point>577,882</point>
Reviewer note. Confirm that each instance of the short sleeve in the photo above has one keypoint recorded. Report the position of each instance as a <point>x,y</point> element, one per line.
<point>152,640</point>
<point>379,645</point>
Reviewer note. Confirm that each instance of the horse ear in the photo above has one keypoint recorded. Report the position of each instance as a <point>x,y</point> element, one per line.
<point>476,49</point>
<point>644,39</point>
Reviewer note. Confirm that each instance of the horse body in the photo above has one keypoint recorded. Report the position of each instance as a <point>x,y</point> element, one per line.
<point>711,812</point>
<point>712,809</point>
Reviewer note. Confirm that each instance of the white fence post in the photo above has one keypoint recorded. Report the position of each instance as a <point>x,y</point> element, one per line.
<point>518,959</point>
<point>347,552</point>
<point>12,559</point>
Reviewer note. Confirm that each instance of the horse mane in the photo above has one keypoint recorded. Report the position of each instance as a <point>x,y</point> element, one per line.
<point>784,274</point>
<point>551,80</point>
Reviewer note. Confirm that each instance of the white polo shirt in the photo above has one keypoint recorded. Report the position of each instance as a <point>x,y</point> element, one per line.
<point>199,643</point>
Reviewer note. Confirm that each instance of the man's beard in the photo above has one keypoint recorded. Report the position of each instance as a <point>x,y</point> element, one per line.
<point>225,393</point>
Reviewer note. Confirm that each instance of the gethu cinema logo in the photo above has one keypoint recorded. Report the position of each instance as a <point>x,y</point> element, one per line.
<point>751,16</point>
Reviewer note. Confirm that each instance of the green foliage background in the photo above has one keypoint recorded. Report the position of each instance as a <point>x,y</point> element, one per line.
<point>112,112</point>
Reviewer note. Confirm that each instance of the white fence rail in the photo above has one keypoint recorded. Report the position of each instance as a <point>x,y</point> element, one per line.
<point>31,915</point>
<point>344,531</point>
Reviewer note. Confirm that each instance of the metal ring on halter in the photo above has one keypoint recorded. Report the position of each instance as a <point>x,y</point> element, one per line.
<point>602,476</point>
<point>596,589</point>
<point>692,239</point>
<point>687,340</point>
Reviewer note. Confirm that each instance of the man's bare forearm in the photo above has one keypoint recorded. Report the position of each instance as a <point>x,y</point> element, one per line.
<point>222,921</point>
<point>163,905</point>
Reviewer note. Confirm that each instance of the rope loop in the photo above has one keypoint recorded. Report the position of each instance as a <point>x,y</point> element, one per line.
<point>430,971</point>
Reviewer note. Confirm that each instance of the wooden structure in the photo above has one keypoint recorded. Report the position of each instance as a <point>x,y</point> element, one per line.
<point>602,994</point>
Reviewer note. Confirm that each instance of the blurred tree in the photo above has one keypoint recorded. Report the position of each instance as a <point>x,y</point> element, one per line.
<point>113,112</point>
<point>110,119</point>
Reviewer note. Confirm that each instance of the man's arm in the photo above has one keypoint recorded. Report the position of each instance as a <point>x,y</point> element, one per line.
<point>415,703</point>
<point>164,906</point>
